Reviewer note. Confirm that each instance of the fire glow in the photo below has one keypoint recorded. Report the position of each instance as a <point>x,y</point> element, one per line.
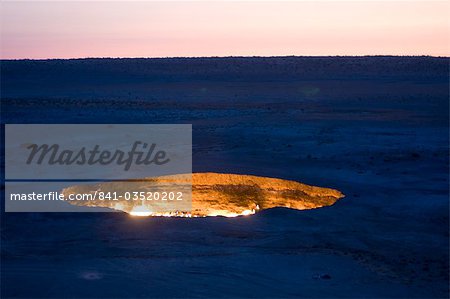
<point>143,211</point>
<point>215,194</point>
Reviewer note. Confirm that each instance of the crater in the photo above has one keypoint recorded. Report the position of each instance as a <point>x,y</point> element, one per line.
<point>213,194</point>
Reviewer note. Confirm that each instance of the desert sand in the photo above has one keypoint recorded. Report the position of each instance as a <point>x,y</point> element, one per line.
<point>374,128</point>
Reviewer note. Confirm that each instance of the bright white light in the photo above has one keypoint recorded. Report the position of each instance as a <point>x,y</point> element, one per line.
<point>142,211</point>
<point>248,212</point>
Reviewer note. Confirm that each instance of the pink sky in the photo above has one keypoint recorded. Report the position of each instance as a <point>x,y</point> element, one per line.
<point>161,29</point>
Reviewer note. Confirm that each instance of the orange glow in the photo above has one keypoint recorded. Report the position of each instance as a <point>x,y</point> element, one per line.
<point>225,213</point>
<point>142,211</point>
<point>214,194</point>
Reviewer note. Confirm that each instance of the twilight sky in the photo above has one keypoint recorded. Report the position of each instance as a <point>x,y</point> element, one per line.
<point>222,28</point>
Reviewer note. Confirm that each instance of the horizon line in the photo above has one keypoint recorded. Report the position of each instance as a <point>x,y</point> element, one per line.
<point>230,56</point>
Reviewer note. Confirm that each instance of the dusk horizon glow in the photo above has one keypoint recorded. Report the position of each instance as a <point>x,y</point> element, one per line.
<point>59,30</point>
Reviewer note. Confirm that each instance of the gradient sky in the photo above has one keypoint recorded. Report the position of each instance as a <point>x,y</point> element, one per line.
<point>221,28</point>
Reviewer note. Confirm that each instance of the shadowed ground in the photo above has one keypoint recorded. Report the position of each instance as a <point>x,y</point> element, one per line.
<point>375,128</point>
